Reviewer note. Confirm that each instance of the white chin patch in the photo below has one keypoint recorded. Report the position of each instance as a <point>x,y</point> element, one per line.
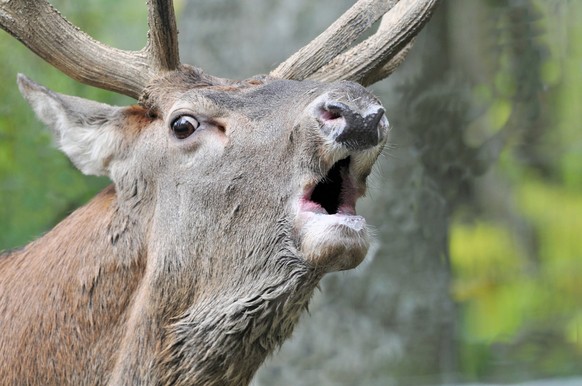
<point>332,242</point>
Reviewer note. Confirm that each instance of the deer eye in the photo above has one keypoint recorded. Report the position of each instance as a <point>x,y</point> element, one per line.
<point>184,126</point>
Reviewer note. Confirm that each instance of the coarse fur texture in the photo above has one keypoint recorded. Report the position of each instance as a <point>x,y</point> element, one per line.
<point>197,262</point>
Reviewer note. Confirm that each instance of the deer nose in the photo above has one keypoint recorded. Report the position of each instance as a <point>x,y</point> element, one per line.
<point>356,129</point>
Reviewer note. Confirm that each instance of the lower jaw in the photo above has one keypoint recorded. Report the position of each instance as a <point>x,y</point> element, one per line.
<point>332,242</point>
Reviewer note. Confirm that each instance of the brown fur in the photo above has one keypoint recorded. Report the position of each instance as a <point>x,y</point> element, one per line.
<point>90,294</point>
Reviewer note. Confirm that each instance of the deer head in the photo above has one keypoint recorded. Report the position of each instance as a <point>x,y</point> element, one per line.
<point>230,200</point>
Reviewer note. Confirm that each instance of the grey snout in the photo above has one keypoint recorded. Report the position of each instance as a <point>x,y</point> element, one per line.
<point>353,128</point>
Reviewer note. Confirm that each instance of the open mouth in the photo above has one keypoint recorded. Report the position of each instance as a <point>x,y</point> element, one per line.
<point>334,194</point>
<point>331,236</point>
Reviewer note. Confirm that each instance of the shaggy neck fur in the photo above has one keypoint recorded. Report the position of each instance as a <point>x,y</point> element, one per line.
<point>215,300</point>
<point>232,299</point>
<point>224,337</point>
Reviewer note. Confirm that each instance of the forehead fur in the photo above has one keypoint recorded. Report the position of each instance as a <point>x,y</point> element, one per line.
<point>163,91</point>
<point>258,95</point>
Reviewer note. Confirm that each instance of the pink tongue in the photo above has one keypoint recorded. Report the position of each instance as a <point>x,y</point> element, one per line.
<point>311,206</point>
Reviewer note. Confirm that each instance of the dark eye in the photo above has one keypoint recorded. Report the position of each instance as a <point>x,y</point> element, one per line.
<point>184,126</point>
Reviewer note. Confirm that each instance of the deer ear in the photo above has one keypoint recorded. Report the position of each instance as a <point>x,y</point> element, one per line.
<point>86,131</point>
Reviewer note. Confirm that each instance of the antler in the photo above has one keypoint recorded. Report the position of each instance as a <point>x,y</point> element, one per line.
<point>373,59</point>
<point>48,34</point>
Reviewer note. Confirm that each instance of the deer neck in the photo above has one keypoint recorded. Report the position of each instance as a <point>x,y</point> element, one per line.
<point>231,326</point>
<point>216,306</point>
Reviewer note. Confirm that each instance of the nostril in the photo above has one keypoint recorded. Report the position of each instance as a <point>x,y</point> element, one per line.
<point>332,110</point>
<point>327,115</point>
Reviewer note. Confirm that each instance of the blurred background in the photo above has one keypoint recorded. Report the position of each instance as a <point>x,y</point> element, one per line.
<point>476,272</point>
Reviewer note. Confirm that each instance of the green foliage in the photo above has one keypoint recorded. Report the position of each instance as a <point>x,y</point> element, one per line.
<point>526,313</point>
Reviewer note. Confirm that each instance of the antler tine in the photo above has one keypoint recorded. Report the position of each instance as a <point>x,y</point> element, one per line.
<point>387,68</point>
<point>48,34</point>
<point>398,28</point>
<point>373,59</point>
<point>333,40</point>
<point>163,35</point>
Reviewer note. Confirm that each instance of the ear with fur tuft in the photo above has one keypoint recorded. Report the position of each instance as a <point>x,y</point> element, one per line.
<point>86,131</point>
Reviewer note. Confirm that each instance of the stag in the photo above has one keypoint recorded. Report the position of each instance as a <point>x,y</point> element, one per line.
<point>230,200</point>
